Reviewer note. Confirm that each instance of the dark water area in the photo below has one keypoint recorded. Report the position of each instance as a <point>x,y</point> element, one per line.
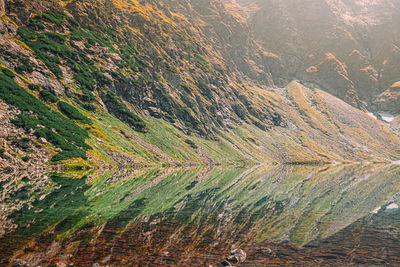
<point>343,215</point>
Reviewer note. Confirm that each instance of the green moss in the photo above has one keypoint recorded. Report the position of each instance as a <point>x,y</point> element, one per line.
<point>85,79</point>
<point>92,36</point>
<point>72,21</point>
<point>160,93</point>
<point>89,107</point>
<point>87,95</point>
<point>130,59</point>
<point>38,25</point>
<point>52,62</point>
<point>169,118</point>
<point>100,78</point>
<point>56,37</point>
<point>49,46</point>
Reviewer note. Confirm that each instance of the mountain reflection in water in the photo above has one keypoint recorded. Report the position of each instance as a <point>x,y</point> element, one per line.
<point>279,215</point>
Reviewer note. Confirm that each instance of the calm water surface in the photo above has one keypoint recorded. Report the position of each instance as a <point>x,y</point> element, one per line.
<point>278,215</point>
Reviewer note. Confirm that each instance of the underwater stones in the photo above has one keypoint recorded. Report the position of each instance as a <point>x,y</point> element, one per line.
<point>236,256</point>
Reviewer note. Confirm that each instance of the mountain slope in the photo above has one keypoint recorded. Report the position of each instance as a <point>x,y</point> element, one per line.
<point>102,83</point>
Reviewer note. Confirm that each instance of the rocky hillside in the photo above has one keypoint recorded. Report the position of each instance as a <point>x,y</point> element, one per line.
<point>349,48</point>
<point>126,82</point>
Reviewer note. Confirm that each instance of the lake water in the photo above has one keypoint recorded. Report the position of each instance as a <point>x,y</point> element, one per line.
<point>278,215</point>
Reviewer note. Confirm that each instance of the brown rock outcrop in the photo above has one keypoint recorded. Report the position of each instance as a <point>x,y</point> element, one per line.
<point>389,100</point>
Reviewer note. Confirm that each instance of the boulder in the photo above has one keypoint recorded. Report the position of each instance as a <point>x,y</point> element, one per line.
<point>155,112</point>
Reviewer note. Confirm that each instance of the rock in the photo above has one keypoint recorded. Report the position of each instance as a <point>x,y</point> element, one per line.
<point>389,100</point>
<point>148,100</point>
<point>41,78</point>
<point>2,7</point>
<point>80,45</point>
<point>115,57</point>
<point>19,262</point>
<point>42,140</point>
<point>8,170</point>
<point>155,112</point>
<point>236,256</point>
<point>23,143</point>
<point>265,251</point>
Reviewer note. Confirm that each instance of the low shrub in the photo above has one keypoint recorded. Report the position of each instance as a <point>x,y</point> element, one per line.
<point>201,63</point>
<point>72,113</point>
<point>121,111</point>
<point>191,143</point>
<point>8,72</point>
<point>34,87</point>
<point>203,86</point>
<point>186,88</point>
<point>26,158</point>
<point>64,155</point>
<point>25,66</point>
<point>48,96</point>
<point>51,16</point>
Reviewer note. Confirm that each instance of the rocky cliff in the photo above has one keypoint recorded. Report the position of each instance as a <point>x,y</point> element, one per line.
<point>349,48</point>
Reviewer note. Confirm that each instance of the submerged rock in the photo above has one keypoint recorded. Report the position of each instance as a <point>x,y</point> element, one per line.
<point>236,256</point>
